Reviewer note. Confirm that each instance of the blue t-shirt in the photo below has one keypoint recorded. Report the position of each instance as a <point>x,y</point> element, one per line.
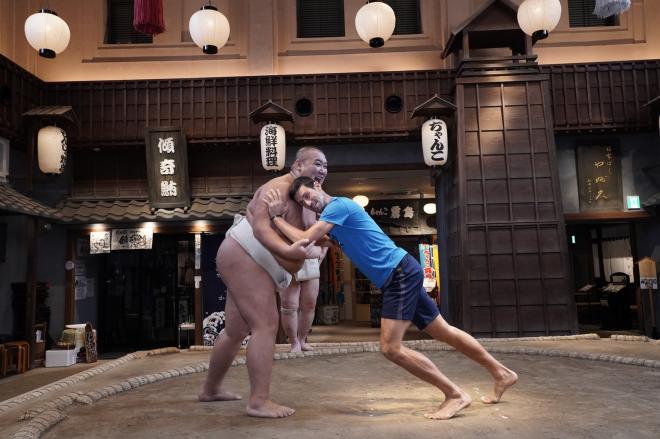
<point>365,244</point>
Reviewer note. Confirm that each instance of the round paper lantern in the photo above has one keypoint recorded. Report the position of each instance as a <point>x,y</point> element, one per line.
<point>47,33</point>
<point>538,18</point>
<point>51,149</point>
<point>434,142</point>
<point>273,147</point>
<point>429,208</point>
<point>361,200</point>
<point>209,29</point>
<point>375,23</point>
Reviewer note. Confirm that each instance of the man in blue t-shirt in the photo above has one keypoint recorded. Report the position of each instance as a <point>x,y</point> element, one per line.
<point>400,278</point>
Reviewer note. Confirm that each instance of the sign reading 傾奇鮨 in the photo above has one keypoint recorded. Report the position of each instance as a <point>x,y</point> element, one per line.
<point>167,167</point>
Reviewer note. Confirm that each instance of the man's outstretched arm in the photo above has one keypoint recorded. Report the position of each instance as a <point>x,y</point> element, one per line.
<point>319,229</point>
<point>277,207</point>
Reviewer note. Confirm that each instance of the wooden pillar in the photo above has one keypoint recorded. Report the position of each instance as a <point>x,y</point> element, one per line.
<point>442,242</point>
<point>31,153</point>
<point>70,280</point>
<point>199,317</point>
<point>31,283</point>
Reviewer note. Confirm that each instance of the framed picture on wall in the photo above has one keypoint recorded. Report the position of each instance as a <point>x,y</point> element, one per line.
<point>3,241</point>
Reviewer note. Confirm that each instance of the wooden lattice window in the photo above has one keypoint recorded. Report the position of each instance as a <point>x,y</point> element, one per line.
<point>581,14</point>
<point>320,18</point>
<point>119,28</point>
<point>408,18</point>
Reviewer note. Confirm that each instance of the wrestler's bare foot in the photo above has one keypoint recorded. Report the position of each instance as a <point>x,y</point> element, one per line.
<point>296,347</point>
<point>222,395</point>
<point>450,407</point>
<point>508,379</point>
<point>306,347</point>
<point>270,410</point>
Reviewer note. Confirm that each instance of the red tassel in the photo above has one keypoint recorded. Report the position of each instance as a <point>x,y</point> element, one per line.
<point>148,17</point>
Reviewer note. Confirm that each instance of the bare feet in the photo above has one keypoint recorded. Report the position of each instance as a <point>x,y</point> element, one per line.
<point>270,410</point>
<point>306,347</point>
<point>450,407</point>
<point>501,384</point>
<point>296,347</point>
<point>222,395</point>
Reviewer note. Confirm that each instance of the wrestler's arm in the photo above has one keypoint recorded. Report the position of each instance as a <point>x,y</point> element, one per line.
<point>269,238</point>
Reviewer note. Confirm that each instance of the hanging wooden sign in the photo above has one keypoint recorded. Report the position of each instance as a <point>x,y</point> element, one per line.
<point>167,167</point>
<point>599,178</point>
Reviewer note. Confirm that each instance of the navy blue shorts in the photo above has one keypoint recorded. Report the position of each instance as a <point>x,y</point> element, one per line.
<point>404,296</point>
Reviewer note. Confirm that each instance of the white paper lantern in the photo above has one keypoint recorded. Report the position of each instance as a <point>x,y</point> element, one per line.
<point>434,142</point>
<point>273,147</point>
<point>361,200</point>
<point>429,208</point>
<point>209,29</point>
<point>51,149</point>
<point>537,18</point>
<point>47,33</point>
<point>375,23</point>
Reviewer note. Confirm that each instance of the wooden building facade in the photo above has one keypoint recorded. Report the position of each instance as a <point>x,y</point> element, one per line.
<point>501,223</point>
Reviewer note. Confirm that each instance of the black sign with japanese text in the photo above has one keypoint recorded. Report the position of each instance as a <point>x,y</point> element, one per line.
<point>397,213</point>
<point>599,177</point>
<point>167,167</point>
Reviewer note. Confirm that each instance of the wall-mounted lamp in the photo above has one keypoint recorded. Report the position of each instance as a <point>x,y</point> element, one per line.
<point>361,200</point>
<point>429,208</point>
<point>273,136</point>
<point>51,149</point>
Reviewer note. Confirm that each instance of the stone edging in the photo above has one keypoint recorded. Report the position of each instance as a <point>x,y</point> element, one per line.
<point>44,417</point>
<point>621,337</point>
<point>81,376</point>
<point>50,414</point>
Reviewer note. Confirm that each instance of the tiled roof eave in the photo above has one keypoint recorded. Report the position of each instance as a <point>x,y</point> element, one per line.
<point>120,211</point>
<point>15,202</point>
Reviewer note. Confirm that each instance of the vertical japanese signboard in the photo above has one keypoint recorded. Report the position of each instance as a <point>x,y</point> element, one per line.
<point>428,258</point>
<point>167,167</point>
<point>599,178</point>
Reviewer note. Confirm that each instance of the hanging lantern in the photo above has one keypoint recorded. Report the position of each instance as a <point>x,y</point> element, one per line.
<point>273,147</point>
<point>607,8</point>
<point>47,33</point>
<point>51,149</point>
<point>434,142</point>
<point>537,18</point>
<point>148,17</point>
<point>429,208</point>
<point>361,200</point>
<point>375,23</point>
<point>209,29</point>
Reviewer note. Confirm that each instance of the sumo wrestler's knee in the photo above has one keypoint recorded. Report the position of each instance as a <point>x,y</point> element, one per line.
<point>288,311</point>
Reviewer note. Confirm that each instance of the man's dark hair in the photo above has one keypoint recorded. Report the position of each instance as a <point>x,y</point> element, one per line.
<point>300,181</point>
